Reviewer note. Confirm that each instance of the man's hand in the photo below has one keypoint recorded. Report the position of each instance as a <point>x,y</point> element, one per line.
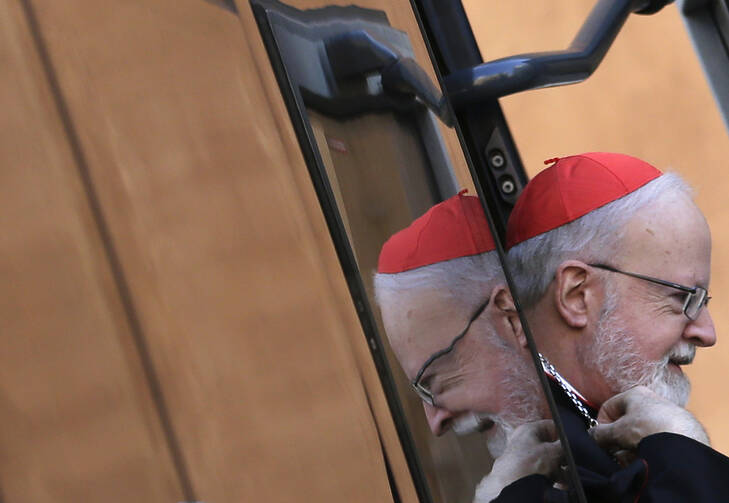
<point>628,417</point>
<point>531,448</point>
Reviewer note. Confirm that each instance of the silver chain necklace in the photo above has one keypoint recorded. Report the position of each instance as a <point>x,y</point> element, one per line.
<point>567,388</point>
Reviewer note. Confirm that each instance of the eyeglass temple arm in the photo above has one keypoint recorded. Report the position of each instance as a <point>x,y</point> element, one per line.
<point>450,347</point>
<point>646,278</point>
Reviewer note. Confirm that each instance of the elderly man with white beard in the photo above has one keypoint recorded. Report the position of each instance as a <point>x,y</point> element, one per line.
<point>611,260</point>
<point>452,325</point>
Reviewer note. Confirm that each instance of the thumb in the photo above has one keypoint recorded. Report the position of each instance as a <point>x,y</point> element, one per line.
<point>606,434</point>
<point>545,430</point>
<point>613,409</point>
<point>554,457</point>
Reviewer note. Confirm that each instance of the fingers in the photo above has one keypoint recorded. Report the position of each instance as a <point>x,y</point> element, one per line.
<point>544,458</point>
<point>526,454</point>
<point>537,445</point>
<point>628,417</point>
<point>613,408</point>
<point>616,407</point>
<point>555,457</point>
<point>531,435</point>
<point>624,456</point>
<point>602,433</point>
<point>610,436</point>
<point>544,430</point>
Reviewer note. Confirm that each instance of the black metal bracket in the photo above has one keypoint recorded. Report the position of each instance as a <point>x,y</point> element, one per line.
<point>523,72</point>
<point>357,53</point>
<point>486,136</point>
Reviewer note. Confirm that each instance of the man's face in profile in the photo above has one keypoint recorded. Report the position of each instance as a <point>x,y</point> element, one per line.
<point>484,384</point>
<point>643,336</point>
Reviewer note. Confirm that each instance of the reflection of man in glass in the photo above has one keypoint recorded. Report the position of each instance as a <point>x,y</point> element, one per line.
<point>452,324</point>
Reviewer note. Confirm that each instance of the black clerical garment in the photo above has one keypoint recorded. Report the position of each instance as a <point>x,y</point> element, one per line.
<point>669,468</point>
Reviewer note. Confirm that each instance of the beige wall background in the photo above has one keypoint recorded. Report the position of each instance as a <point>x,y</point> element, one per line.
<point>142,237</point>
<point>649,98</point>
<point>174,321</point>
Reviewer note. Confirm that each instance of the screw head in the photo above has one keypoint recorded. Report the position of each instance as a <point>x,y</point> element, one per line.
<point>497,159</point>
<point>508,187</point>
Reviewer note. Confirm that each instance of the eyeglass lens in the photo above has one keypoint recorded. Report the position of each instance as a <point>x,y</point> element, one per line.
<point>694,302</point>
<point>424,394</point>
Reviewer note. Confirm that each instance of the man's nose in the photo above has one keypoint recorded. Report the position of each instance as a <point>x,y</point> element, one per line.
<point>701,331</point>
<point>439,420</point>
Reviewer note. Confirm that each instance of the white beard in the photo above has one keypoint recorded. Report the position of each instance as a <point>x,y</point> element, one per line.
<point>672,385</point>
<point>614,355</point>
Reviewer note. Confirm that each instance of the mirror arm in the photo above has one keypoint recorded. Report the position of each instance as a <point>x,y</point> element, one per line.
<point>524,72</point>
<point>358,53</point>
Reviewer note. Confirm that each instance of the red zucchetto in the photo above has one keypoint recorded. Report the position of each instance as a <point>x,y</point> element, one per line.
<point>455,228</point>
<point>572,187</point>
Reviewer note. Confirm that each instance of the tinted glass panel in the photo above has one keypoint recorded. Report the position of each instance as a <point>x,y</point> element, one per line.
<point>370,122</point>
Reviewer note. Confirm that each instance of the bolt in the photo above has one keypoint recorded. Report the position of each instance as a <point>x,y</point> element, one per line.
<point>496,158</point>
<point>508,187</point>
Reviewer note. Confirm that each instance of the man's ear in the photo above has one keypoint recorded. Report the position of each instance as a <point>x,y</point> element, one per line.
<point>573,291</point>
<point>503,303</point>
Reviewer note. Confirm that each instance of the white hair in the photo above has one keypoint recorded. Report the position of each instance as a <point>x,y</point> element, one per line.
<point>592,237</point>
<point>467,280</point>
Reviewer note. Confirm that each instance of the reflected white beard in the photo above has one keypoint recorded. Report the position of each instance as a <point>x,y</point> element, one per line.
<point>496,435</point>
<point>470,422</point>
<point>523,395</point>
<point>614,355</point>
<point>496,441</point>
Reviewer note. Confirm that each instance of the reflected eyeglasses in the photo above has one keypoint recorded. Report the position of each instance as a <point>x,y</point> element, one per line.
<point>422,391</point>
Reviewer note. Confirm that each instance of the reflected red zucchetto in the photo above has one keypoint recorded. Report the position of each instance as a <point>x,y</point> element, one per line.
<point>455,228</point>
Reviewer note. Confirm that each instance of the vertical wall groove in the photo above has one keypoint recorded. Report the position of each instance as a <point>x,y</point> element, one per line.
<point>124,292</point>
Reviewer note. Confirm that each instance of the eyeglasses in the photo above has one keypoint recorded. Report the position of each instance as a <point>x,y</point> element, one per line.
<point>696,297</point>
<point>423,392</point>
